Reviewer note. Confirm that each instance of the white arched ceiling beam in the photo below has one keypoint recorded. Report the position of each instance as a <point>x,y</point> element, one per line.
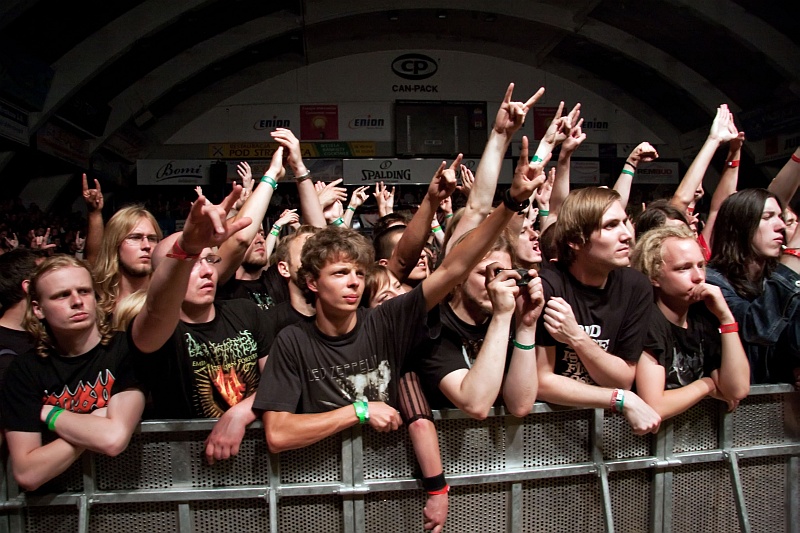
<point>703,92</point>
<point>201,102</point>
<point>777,48</point>
<point>139,96</point>
<point>81,64</point>
<point>10,10</point>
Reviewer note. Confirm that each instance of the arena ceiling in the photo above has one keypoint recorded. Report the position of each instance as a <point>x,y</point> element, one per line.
<point>151,66</point>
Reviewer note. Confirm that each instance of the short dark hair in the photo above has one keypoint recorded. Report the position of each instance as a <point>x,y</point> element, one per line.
<point>15,267</point>
<point>389,220</point>
<point>581,215</point>
<point>656,215</point>
<point>331,244</point>
<point>383,241</point>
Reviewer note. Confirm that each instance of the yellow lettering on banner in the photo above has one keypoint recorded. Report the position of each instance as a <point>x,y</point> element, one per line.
<point>362,149</point>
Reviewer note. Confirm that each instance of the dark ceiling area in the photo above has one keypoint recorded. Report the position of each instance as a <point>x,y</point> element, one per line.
<point>135,72</point>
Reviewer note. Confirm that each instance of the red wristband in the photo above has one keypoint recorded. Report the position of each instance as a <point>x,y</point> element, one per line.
<point>733,327</point>
<point>180,253</point>
<point>732,164</point>
<point>445,490</point>
<point>614,400</point>
<point>795,158</point>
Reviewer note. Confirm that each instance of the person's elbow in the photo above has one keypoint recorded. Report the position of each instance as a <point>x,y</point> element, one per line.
<point>28,480</point>
<point>519,408</point>
<point>476,410</point>
<point>277,439</point>
<point>114,441</point>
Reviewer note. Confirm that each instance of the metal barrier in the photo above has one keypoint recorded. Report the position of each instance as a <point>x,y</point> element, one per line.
<point>554,470</point>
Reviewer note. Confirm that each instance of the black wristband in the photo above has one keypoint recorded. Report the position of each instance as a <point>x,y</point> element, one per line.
<point>512,204</point>
<point>434,483</point>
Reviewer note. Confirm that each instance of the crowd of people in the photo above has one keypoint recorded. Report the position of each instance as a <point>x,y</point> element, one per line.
<point>550,294</point>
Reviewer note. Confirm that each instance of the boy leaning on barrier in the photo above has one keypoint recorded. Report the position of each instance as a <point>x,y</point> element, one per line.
<point>594,324</point>
<point>79,390</point>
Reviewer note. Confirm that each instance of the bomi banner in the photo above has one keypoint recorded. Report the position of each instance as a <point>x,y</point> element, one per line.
<point>173,171</point>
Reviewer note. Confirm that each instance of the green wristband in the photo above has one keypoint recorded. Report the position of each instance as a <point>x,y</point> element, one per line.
<point>449,215</point>
<point>628,172</point>
<point>338,222</point>
<point>536,159</point>
<point>436,228</point>
<point>544,212</point>
<point>351,208</point>
<point>523,346</point>
<point>52,416</point>
<point>362,411</point>
<point>274,232</point>
<point>271,181</point>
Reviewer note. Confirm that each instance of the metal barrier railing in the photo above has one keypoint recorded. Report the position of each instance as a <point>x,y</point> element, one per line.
<point>554,470</point>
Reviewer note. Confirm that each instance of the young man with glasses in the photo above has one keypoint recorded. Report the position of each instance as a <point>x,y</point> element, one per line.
<point>209,360</point>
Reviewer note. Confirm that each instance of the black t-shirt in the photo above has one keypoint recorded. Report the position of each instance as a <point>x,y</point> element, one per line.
<point>455,349</point>
<point>205,369</point>
<point>12,343</point>
<point>267,291</point>
<point>686,354</point>
<point>280,316</point>
<point>310,372</point>
<point>79,384</point>
<point>616,317</point>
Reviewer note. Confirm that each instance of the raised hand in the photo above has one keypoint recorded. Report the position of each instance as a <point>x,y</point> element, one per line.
<point>245,174</point>
<point>359,196</point>
<point>330,193</point>
<point>12,243</point>
<point>444,180</point>
<point>92,197</point>
<point>289,216</point>
<point>291,146</point>
<point>529,175</point>
<point>720,127</point>
<point>42,242</point>
<point>384,198</point>
<point>207,225</point>
<point>574,138</point>
<point>643,153</point>
<point>467,181</point>
<point>542,194</point>
<point>511,115</point>
<point>199,190</point>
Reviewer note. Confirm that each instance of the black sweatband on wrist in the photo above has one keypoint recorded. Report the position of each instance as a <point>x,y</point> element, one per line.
<point>434,483</point>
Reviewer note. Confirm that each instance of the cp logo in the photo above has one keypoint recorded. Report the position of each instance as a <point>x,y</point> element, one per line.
<point>414,66</point>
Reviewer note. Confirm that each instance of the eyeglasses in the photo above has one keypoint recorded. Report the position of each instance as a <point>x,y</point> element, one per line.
<point>137,238</point>
<point>211,259</point>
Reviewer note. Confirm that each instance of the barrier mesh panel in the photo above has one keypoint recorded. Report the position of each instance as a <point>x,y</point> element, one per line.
<point>388,455</point>
<point>760,420</point>
<point>764,486</point>
<point>318,463</point>
<point>696,429</point>
<point>619,442</point>
<point>702,499</point>
<point>152,517</point>
<point>230,516</point>
<point>558,438</point>
<point>55,519</point>
<point>396,511</point>
<point>469,445</point>
<point>566,504</point>
<point>145,464</point>
<point>483,508</point>
<point>249,467</point>
<point>312,513</point>
<point>630,500</point>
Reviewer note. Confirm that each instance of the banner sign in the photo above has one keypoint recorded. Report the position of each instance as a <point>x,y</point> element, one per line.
<point>406,171</point>
<point>63,144</point>
<point>14,124</point>
<point>311,150</point>
<point>657,173</point>
<point>319,122</point>
<point>173,172</point>
<point>775,148</point>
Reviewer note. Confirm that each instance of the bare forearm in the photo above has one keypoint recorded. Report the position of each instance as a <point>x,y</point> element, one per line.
<point>426,446</point>
<point>561,183</point>
<point>607,370</point>
<point>561,390</point>
<point>309,204</point>
<point>694,175</point>
<point>734,371</point>
<point>481,385</point>
<point>42,464</point>
<point>785,184</point>
<point>94,237</point>
<point>669,403</point>
<point>406,253</point>
<point>289,431</point>
<point>521,384</point>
